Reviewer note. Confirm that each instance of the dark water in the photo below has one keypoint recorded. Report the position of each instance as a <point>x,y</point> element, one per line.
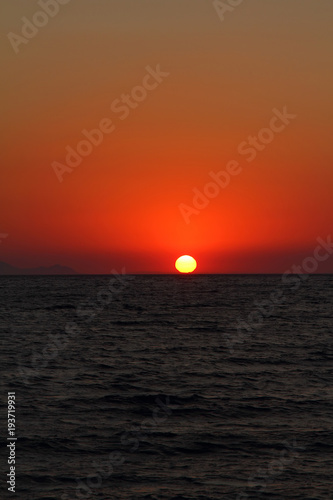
<point>153,394</point>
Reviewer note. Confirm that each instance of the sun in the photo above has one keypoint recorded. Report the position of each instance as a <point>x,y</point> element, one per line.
<point>185,264</point>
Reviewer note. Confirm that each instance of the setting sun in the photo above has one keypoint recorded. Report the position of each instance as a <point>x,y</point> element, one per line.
<point>185,264</point>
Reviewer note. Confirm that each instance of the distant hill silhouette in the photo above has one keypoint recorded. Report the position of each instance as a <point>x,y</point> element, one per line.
<point>8,270</point>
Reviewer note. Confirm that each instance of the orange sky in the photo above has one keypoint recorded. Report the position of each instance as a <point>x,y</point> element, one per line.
<point>120,206</point>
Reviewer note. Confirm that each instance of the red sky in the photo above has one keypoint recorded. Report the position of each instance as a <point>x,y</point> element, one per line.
<point>120,207</point>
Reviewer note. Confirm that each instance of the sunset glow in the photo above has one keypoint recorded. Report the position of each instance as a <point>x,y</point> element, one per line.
<point>185,264</point>
<point>121,148</point>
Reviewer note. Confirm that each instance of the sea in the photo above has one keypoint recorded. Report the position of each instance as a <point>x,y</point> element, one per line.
<point>161,387</point>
